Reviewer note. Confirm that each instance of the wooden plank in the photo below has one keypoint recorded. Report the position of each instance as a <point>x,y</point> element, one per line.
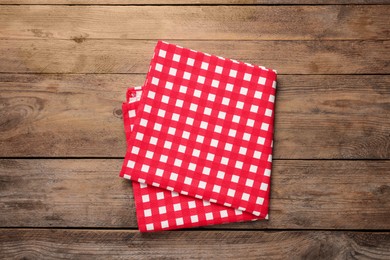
<point>323,117</point>
<point>110,244</point>
<point>191,2</point>
<point>305,194</point>
<point>129,56</point>
<point>204,22</point>
<point>66,193</point>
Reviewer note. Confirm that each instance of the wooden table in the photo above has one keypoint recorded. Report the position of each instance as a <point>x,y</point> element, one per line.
<point>64,70</point>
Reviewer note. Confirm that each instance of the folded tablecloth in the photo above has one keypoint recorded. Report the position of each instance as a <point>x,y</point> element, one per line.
<point>199,136</point>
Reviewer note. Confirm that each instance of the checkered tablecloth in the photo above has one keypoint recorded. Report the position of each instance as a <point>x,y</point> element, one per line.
<point>199,136</point>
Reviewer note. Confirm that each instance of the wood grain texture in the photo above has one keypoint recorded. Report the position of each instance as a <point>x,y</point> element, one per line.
<point>203,22</point>
<point>305,194</point>
<point>131,56</point>
<point>104,244</point>
<point>191,2</point>
<point>65,193</point>
<point>322,117</point>
<point>64,69</point>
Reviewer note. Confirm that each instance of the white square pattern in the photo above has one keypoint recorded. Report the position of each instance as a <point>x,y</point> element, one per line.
<point>194,219</point>
<point>176,57</point>
<point>158,67</point>
<point>202,184</point>
<point>147,212</point>
<point>162,210</point>
<point>187,75</point>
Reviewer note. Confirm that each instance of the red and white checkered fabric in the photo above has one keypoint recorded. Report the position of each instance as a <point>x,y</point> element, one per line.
<point>153,204</point>
<point>202,128</point>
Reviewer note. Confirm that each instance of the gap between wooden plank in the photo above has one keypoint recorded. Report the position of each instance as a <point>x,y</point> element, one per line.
<point>194,2</point>
<point>121,158</point>
<point>199,229</point>
<point>135,74</point>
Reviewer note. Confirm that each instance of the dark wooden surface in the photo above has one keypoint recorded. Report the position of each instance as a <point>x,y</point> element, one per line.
<point>64,70</point>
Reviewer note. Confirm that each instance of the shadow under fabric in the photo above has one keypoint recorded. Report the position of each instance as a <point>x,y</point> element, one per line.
<point>200,136</point>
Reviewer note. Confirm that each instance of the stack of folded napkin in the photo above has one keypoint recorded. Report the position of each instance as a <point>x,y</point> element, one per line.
<point>199,135</point>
